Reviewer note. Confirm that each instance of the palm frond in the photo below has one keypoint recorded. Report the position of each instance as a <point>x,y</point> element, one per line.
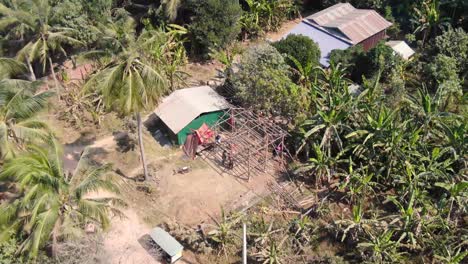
<point>10,67</point>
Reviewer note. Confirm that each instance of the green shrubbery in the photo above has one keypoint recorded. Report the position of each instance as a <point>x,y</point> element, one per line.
<point>360,63</point>
<point>302,48</point>
<point>214,25</point>
<point>263,83</point>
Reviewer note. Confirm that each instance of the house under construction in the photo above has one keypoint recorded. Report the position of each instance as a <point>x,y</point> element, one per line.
<point>245,143</point>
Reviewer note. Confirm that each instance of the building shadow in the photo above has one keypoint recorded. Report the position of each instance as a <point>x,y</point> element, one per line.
<point>152,248</point>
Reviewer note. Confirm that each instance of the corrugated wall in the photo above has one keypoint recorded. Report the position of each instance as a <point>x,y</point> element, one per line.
<point>371,42</point>
<point>208,118</point>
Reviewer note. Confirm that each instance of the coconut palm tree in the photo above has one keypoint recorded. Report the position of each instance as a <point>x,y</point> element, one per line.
<point>20,102</point>
<point>132,81</point>
<point>10,68</point>
<point>41,40</point>
<point>54,207</point>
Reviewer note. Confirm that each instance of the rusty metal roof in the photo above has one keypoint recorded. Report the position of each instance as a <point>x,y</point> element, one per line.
<point>343,20</point>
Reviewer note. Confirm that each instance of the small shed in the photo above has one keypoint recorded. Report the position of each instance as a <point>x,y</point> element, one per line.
<point>186,110</point>
<point>401,48</point>
<point>167,243</point>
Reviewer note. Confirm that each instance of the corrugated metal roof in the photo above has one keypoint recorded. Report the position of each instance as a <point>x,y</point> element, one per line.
<point>400,47</point>
<point>166,241</point>
<point>355,24</point>
<point>182,106</point>
<point>324,40</point>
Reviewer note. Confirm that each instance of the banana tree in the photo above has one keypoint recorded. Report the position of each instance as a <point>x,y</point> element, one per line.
<point>407,221</point>
<point>382,248</point>
<point>356,226</point>
<point>428,19</point>
<point>457,194</point>
<point>223,232</point>
<point>322,166</point>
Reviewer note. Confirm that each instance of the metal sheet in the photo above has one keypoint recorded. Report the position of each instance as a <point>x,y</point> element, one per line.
<point>325,41</point>
<point>355,24</point>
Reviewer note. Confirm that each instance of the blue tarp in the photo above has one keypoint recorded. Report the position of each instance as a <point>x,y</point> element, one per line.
<point>325,41</point>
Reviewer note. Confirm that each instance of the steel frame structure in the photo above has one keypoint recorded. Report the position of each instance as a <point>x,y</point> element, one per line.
<point>249,139</point>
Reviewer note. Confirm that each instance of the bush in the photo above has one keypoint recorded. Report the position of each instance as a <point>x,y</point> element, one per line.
<point>300,47</point>
<point>454,43</point>
<point>360,63</point>
<point>214,25</point>
<point>262,82</point>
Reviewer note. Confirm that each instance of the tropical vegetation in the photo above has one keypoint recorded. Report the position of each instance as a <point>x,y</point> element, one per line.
<point>377,141</point>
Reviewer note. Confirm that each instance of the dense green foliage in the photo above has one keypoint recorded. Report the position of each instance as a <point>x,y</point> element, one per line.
<point>301,48</point>
<point>262,82</point>
<point>215,24</point>
<point>388,160</point>
<point>20,103</point>
<point>262,16</point>
<point>54,205</point>
<point>360,63</point>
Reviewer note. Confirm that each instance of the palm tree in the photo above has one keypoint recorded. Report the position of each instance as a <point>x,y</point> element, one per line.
<point>10,68</point>
<point>54,207</point>
<point>132,81</point>
<point>19,104</point>
<point>41,39</point>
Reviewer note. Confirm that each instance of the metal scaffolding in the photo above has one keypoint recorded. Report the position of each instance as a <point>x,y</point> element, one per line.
<point>248,143</point>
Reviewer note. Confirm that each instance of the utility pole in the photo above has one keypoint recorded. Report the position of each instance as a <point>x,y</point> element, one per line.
<point>244,248</point>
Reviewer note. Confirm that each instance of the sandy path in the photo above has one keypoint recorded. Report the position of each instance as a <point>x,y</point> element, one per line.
<point>121,245</point>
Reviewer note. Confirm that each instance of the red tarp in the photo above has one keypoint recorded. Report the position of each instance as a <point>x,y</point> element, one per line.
<point>204,134</point>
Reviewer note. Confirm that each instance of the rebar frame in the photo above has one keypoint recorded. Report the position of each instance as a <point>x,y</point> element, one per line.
<point>250,140</point>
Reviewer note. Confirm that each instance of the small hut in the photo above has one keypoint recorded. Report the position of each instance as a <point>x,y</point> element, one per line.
<point>167,243</point>
<point>186,110</point>
<point>401,48</point>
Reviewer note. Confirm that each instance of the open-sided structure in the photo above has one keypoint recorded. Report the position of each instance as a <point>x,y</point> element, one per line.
<point>247,143</point>
<point>186,110</point>
<point>167,243</point>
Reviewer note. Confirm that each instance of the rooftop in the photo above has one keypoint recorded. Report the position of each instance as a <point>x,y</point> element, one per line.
<point>400,47</point>
<point>324,40</point>
<point>166,242</point>
<point>345,21</point>
<point>182,106</point>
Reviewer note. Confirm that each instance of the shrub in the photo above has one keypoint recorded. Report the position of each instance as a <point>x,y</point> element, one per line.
<point>360,63</point>
<point>214,25</point>
<point>300,47</point>
<point>262,82</point>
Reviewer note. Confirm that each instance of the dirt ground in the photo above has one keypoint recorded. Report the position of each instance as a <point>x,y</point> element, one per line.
<point>191,199</point>
<point>285,28</point>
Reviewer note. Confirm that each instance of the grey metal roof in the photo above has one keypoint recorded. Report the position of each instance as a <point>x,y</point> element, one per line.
<point>166,241</point>
<point>325,40</point>
<point>182,106</point>
<point>355,24</point>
